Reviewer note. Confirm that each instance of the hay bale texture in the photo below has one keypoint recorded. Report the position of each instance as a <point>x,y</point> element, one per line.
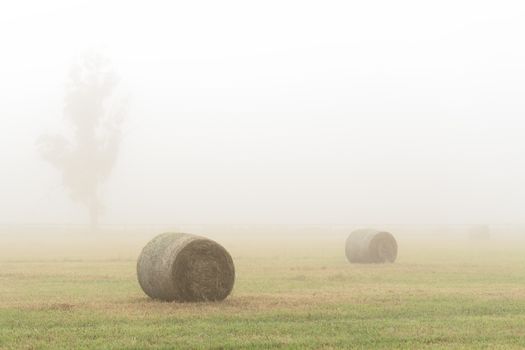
<point>185,267</point>
<point>371,246</point>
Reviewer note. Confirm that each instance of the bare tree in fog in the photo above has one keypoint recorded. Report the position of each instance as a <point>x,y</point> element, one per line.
<point>95,116</point>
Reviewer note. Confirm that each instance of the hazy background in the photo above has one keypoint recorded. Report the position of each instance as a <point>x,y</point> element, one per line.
<point>277,112</point>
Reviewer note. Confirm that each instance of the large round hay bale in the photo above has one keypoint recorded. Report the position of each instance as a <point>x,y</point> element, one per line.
<point>371,246</point>
<point>185,267</point>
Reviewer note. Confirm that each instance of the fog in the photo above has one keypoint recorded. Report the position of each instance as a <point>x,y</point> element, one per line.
<point>278,112</point>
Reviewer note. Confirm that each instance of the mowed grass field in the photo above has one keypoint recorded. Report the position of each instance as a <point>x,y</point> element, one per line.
<point>289,293</point>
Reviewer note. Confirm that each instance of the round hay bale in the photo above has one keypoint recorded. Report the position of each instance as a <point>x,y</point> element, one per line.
<point>185,267</point>
<point>479,233</point>
<point>371,246</point>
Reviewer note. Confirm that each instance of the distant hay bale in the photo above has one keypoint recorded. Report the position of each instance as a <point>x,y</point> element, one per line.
<point>185,267</point>
<point>371,246</point>
<point>479,233</point>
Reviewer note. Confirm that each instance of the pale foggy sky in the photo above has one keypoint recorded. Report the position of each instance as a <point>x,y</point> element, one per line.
<point>278,111</point>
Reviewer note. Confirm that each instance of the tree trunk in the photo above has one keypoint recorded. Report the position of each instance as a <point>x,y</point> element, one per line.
<point>94,211</point>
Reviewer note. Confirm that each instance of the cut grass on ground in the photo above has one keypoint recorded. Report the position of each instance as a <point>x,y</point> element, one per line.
<point>448,296</point>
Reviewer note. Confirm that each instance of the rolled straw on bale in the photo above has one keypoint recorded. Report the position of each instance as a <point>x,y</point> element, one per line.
<point>371,246</point>
<point>185,267</point>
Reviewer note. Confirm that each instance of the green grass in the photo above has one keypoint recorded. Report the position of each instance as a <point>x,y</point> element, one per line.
<point>287,295</point>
